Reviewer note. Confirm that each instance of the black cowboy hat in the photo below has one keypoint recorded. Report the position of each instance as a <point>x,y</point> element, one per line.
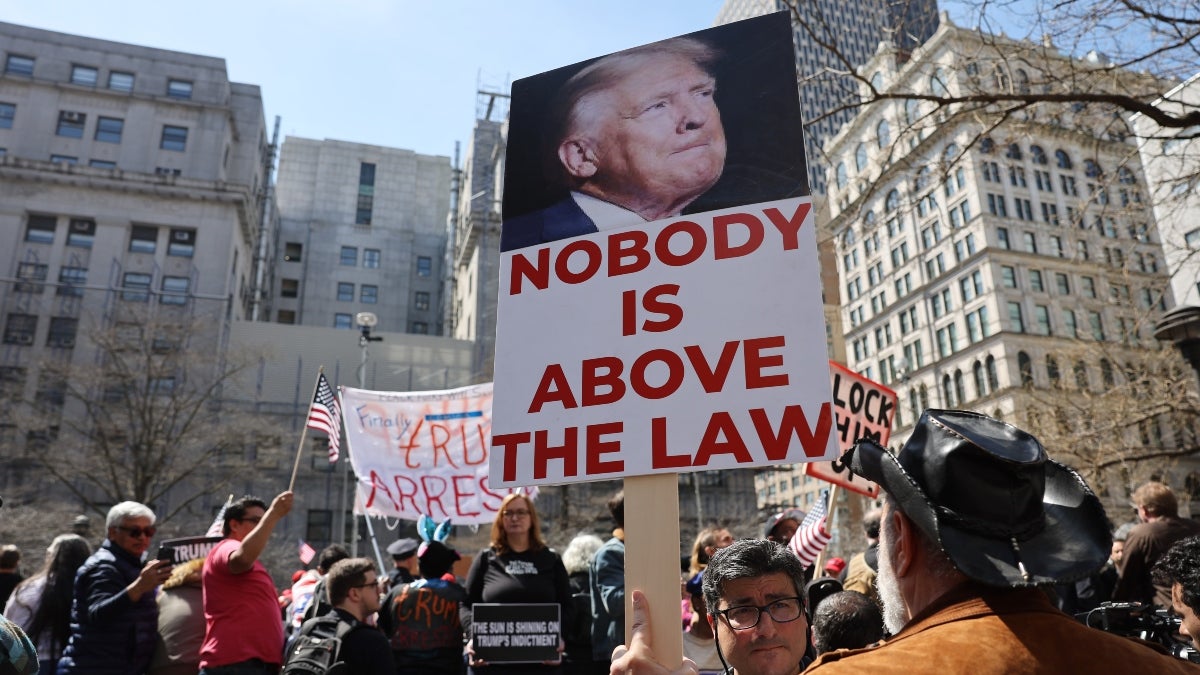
<point>985,491</point>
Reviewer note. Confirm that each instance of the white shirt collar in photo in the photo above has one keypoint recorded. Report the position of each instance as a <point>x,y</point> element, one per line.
<point>606,215</point>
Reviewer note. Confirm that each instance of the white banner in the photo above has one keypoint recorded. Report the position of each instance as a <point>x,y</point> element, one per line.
<point>695,342</point>
<point>422,453</point>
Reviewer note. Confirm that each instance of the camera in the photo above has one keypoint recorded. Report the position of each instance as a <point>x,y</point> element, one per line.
<point>166,553</point>
<point>1131,619</point>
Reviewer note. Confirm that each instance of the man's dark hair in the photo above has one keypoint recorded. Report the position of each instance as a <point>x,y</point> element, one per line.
<point>10,556</point>
<point>347,574</point>
<point>846,620</point>
<point>1181,565</point>
<point>748,558</point>
<point>616,506</point>
<point>871,523</point>
<point>237,510</point>
<point>331,554</point>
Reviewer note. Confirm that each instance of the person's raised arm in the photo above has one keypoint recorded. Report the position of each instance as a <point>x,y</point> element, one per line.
<point>638,657</point>
<point>253,545</point>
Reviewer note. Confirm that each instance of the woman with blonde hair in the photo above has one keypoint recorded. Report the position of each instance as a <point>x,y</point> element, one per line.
<point>41,604</point>
<point>518,567</point>
<point>180,622</point>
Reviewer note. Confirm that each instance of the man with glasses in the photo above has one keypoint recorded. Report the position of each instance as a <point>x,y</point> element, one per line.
<point>114,618</point>
<point>243,625</point>
<point>354,590</point>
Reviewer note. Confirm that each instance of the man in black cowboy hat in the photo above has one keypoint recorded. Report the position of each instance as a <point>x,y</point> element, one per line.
<point>976,516</point>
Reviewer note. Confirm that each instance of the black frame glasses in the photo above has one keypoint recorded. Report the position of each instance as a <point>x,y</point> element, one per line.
<point>137,532</point>
<point>776,608</point>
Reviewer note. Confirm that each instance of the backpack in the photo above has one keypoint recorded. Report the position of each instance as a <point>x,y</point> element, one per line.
<point>316,648</point>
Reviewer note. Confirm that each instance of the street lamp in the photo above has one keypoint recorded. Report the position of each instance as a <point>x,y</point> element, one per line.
<point>365,322</point>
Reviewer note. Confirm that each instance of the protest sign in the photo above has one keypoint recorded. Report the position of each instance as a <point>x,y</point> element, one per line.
<point>184,549</point>
<point>420,453</point>
<point>865,409</point>
<point>515,633</point>
<point>637,339</point>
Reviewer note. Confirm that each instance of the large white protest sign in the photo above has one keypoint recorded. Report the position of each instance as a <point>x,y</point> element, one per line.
<point>422,453</point>
<point>695,342</point>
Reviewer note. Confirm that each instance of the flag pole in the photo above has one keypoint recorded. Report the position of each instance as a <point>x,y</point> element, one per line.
<point>304,430</point>
<point>819,564</point>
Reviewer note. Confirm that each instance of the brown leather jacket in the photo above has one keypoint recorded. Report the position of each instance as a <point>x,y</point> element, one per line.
<point>984,631</point>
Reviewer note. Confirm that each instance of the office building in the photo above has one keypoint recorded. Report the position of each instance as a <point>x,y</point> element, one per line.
<point>362,229</point>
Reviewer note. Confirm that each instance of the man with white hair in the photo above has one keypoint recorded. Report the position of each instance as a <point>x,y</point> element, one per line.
<point>114,617</point>
<point>635,137</point>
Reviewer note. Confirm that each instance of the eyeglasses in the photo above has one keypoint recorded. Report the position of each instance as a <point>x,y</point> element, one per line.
<point>251,519</point>
<point>517,513</point>
<point>370,584</point>
<point>745,617</point>
<point>137,532</point>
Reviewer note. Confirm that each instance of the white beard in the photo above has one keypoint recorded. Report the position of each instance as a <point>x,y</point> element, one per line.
<point>895,614</point>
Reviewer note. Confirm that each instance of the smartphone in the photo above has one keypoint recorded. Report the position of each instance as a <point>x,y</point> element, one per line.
<point>166,553</point>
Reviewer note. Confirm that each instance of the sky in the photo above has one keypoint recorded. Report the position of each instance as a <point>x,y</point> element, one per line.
<point>397,73</point>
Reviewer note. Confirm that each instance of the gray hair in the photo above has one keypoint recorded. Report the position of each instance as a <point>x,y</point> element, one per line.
<point>567,110</point>
<point>126,510</point>
<point>749,558</point>
<point>580,552</point>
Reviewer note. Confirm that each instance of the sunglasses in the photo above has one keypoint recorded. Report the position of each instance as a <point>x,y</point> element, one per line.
<point>137,532</point>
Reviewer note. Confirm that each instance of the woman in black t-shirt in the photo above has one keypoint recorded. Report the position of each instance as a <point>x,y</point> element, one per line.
<point>516,568</point>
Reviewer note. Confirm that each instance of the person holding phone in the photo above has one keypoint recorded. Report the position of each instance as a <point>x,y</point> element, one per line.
<point>114,618</point>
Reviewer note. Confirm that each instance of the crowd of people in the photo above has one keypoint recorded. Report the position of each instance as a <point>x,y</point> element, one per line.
<point>985,556</point>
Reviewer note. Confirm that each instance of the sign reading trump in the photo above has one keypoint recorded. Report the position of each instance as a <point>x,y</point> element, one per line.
<point>422,453</point>
<point>659,301</point>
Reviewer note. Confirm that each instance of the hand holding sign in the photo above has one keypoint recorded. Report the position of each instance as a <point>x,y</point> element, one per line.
<point>638,657</point>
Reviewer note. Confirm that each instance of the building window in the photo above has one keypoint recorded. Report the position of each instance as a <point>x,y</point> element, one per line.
<point>289,288</point>
<point>86,76</point>
<point>1025,366</point>
<point>70,280</point>
<point>1063,159</point>
<point>1097,324</point>
<point>108,129</point>
<point>101,164</point>
<point>40,229</point>
<point>143,239</point>
<point>1041,315</point>
<point>366,194</point>
<point>181,89</point>
<point>8,112</point>
<point>424,266</point>
<point>71,123</point>
<point>182,242</point>
<point>287,316</point>
<point>16,64</point>
<point>371,257</point>
<point>421,301</point>
<point>368,294</point>
<point>420,328</point>
<point>293,251</point>
<point>64,159</point>
<point>345,292</point>
<point>349,256</point>
<point>166,171</point>
<point>1002,237</point>
<point>1035,282</point>
<point>175,290</point>
<point>174,138</point>
<point>31,275</point>
<point>19,329</point>
<point>118,81</point>
<point>136,287</point>
<point>81,233</point>
<point>1016,321</point>
<point>342,321</point>
<point>62,332</point>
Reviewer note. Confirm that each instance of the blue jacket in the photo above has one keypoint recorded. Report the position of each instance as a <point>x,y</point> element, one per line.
<point>606,577</point>
<point>561,220</point>
<point>110,633</point>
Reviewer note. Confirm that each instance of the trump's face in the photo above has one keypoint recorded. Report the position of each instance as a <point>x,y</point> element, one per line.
<point>656,137</point>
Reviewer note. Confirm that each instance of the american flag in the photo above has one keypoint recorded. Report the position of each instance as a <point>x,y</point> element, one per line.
<point>811,538</point>
<point>326,415</point>
<point>306,552</point>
